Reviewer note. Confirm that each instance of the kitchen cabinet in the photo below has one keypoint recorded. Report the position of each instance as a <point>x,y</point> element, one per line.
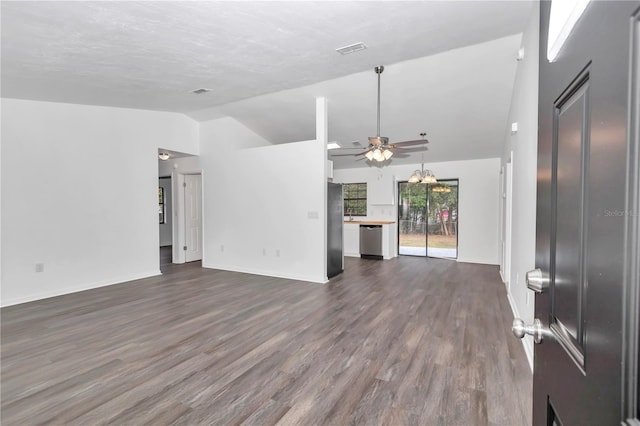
<point>351,243</point>
<point>381,190</point>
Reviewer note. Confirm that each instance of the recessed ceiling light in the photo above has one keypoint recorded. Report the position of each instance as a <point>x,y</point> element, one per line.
<point>333,145</point>
<point>200,91</point>
<point>355,47</point>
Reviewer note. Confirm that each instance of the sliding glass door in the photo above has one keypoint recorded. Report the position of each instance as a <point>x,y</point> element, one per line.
<point>412,219</point>
<point>442,232</point>
<point>428,219</point>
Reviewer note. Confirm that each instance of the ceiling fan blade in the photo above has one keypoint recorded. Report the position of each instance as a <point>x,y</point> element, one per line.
<point>410,149</point>
<point>349,155</point>
<point>411,143</point>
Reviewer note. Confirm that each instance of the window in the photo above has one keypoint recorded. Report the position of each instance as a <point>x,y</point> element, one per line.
<point>355,199</point>
<point>161,206</point>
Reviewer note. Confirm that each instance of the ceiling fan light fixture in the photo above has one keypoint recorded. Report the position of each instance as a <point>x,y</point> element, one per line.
<point>369,155</point>
<point>378,140</point>
<point>377,154</point>
<point>387,154</point>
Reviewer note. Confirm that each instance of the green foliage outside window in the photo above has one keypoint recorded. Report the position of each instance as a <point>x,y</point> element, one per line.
<point>355,199</point>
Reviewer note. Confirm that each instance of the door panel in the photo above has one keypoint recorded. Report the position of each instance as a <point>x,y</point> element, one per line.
<point>571,146</point>
<point>193,217</point>
<point>580,239</point>
<point>412,219</point>
<point>442,229</point>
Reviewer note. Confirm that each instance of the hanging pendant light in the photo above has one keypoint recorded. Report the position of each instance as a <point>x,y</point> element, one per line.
<point>422,175</point>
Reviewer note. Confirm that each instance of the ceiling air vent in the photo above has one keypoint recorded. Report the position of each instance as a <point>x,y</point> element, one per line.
<point>200,91</point>
<point>355,47</point>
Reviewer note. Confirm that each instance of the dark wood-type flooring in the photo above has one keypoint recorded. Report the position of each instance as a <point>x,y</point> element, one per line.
<point>166,256</point>
<point>404,341</point>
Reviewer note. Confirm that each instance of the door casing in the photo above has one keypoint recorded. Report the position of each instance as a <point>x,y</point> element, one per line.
<point>178,212</point>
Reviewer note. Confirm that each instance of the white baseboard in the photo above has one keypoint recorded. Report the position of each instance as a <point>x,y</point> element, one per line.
<point>476,261</point>
<point>527,341</point>
<point>318,280</point>
<point>68,290</point>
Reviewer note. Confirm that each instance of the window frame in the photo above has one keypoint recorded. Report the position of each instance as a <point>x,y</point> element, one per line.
<point>360,199</point>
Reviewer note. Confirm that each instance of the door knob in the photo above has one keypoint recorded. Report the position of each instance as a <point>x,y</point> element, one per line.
<point>537,280</point>
<point>536,329</point>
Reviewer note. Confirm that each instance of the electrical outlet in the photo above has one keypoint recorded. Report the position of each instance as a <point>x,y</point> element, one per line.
<point>221,247</point>
<point>277,252</point>
<point>39,267</point>
<point>264,251</point>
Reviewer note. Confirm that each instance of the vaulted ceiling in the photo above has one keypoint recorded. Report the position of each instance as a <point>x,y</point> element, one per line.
<point>449,72</point>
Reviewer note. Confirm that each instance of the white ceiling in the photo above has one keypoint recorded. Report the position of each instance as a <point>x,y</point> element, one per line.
<point>265,61</point>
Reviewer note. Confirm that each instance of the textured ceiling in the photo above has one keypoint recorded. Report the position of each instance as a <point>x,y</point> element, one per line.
<point>265,61</point>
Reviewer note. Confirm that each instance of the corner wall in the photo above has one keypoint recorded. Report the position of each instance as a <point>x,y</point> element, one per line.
<point>79,194</point>
<point>263,204</point>
<point>524,144</point>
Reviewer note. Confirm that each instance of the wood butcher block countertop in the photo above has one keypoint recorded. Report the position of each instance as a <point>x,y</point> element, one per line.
<point>370,222</point>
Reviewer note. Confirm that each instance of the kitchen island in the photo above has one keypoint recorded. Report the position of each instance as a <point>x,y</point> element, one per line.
<point>351,237</point>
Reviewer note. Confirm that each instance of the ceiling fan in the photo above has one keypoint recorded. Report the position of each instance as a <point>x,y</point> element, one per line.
<point>379,148</point>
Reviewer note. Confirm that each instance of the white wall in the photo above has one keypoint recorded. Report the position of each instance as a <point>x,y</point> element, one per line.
<point>264,206</point>
<point>524,144</point>
<point>79,194</point>
<point>477,200</point>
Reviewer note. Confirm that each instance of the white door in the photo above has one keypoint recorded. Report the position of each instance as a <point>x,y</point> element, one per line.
<point>193,217</point>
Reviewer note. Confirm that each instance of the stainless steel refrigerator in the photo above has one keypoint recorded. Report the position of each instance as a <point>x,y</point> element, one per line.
<point>335,221</point>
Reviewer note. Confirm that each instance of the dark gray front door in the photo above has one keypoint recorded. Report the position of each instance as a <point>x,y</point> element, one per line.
<point>587,119</point>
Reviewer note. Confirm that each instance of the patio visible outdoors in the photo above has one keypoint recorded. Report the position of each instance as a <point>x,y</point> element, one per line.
<point>429,209</point>
<point>439,245</point>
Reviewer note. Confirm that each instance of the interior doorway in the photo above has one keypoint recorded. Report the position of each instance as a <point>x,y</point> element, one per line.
<point>428,219</point>
<point>506,185</point>
<point>165,219</point>
<point>180,186</point>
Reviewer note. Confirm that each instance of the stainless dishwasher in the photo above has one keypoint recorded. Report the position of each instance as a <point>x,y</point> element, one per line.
<point>371,241</point>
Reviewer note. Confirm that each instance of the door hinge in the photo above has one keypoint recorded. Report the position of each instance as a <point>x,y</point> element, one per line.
<point>184,248</point>
<point>184,184</point>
